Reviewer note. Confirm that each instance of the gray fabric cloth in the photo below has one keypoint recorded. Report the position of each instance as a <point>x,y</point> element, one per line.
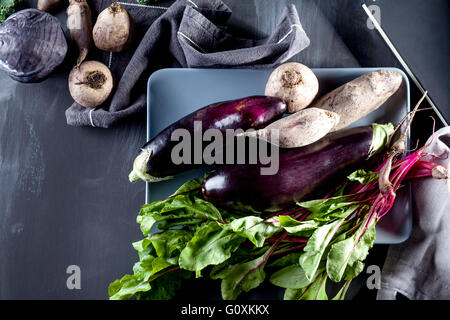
<point>188,34</point>
<point>419,268</point>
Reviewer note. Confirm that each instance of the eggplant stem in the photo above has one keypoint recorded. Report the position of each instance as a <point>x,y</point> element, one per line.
<point>140,168</point>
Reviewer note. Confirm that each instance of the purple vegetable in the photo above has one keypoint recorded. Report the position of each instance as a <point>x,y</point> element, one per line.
<point>301,170</point>
<point>154,162</point>
<point>32,45</point>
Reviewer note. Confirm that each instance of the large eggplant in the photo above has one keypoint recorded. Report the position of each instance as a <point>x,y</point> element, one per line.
<point>154,162</point>
<point>301,170</point>
<point>32,45</point>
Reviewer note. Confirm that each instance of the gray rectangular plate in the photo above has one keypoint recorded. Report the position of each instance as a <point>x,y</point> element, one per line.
<point>174,93</point>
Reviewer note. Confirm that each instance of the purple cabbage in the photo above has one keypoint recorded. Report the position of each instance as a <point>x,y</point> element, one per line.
<point>32,45</point>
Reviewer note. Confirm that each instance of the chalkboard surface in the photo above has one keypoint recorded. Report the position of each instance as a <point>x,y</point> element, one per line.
<point>65,198</point>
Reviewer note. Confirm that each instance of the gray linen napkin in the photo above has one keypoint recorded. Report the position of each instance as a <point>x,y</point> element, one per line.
<point>190,33</point>
<point>419,268</point>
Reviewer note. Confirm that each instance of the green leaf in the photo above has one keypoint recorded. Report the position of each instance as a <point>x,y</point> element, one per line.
<point>195,206</point>
<point>7,7</point>
<point>241,255</point>
<point>316,246</point>
<point>242,277</point>
<point>149,265</point>
<point>170,241</point>
<point>190,186</point>
<point>127,287</point>
<point>327,210</point>
<point>342,212</point>
<point>292,294</point>
<point>146,272</point>
<point>180,210</point>
<point>314,291</point>
<point>298,228</point>
<point>381,137</point>
<point>255,229</point>
<point>291,258</point>
<point>184,207</point>
<point>158,206</point>
<point>345,258</point>
<point>141,245</point>
<point>246,209</point>
<point>165,287</point>
<point>330,208</point>
<point>292,276</point>
<point>157,254</point>
<point>210,245</point>
<point>148,268</point>
<point>363,177</point>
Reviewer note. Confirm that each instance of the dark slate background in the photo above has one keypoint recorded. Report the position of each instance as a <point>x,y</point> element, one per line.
<point>64,193</point>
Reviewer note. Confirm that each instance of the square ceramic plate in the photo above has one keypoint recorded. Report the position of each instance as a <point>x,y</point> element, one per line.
<point>174,93</point>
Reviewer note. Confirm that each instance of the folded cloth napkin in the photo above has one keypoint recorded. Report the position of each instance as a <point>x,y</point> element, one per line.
<point>189,33</point>
<point>419,268</point>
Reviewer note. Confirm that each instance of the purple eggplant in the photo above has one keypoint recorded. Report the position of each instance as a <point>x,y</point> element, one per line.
<point>154,162</point>
<point>301,170</point>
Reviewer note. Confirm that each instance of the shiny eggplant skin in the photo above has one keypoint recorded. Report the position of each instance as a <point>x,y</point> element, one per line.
<point>32,45</point>
<point>249,112</point>
<point>301,172</point>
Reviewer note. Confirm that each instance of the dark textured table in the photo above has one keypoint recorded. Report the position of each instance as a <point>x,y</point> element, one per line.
<point>65,198</point>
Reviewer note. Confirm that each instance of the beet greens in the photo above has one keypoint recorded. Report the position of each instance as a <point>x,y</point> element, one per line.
<point>301,248</point>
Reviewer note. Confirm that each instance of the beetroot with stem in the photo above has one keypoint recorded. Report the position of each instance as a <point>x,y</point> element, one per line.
<point>79,23</point>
